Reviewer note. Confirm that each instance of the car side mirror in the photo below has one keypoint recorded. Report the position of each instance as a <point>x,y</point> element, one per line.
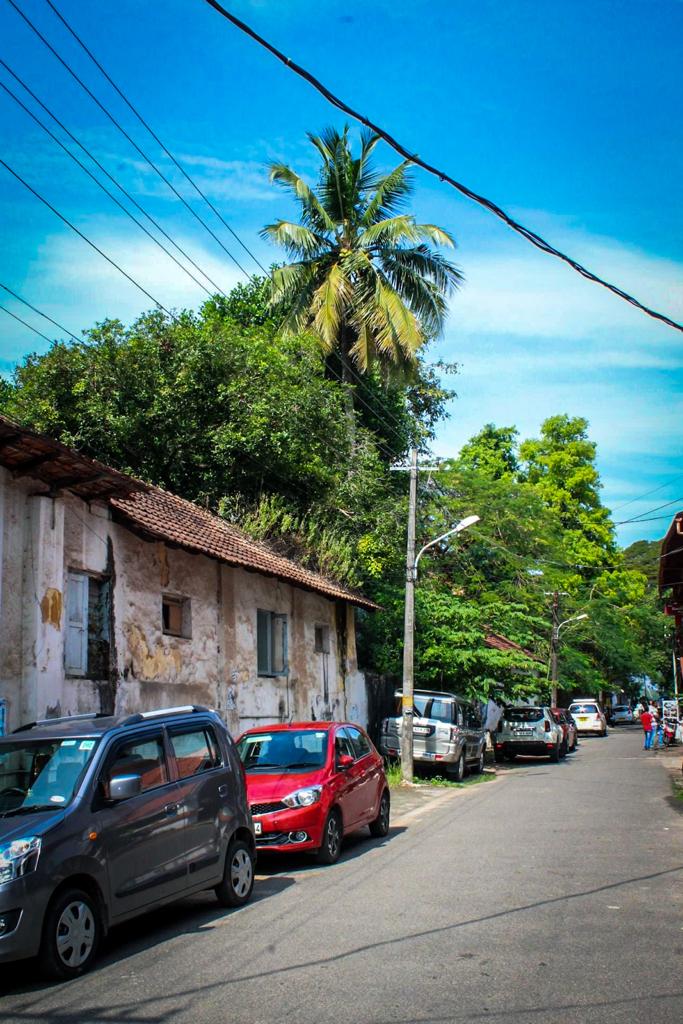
<point>345,761</point>
<point>123,787</point>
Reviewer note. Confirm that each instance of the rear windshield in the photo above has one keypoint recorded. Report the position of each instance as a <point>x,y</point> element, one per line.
<point>443,710</point>
<point>584,709</point>
<point>621,707</point>
<point>524,714</point>
<point>38,775</point>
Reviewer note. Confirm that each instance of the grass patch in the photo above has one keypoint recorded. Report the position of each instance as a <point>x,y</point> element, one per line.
<point>423,777</point>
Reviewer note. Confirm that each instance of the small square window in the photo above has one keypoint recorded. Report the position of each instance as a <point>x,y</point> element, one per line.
<point>322,640</point>
<point>176,617</point>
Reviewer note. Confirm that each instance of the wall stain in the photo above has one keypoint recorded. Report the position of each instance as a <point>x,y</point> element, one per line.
<point>51,607</point>
<point>149,664</point>
<point>164,570</point>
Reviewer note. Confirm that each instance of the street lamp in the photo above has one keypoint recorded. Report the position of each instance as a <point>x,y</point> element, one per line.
<point>554,644</point>
<point>409,633</point>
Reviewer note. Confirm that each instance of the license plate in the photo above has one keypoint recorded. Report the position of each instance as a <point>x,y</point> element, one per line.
<point>583,718</point>
<point>257,828</point>
<point>421,730</point>
<point>522,732</point>
<point>428,755</point>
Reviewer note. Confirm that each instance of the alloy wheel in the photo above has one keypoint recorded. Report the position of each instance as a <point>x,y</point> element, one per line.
<point>241,872</point>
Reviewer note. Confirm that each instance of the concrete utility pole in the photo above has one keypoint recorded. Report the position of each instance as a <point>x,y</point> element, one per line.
<point>409,630</point>
<point>554,643</point>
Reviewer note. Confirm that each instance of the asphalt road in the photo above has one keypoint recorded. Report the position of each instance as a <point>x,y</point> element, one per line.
<point>552,895</point>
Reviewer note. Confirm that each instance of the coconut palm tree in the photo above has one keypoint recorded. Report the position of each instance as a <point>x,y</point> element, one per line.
<point>364,277</point>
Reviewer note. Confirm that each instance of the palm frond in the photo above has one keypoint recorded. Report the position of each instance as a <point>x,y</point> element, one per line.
<point>328,305</point>
<point>297,239</point>
<point>390,194</point>
<point>423,262</point>
<point>310,204</point>
<point>392,231</point>
<point>435,235</point>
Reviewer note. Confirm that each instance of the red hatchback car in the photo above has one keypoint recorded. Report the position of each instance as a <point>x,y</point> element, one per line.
<point>311,783</point>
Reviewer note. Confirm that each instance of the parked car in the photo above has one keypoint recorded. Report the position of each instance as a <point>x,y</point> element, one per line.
<point>105,818</point>
<point>447,730</point>
<point>312,783</point>
<point>588,716</point>
<point>621,713</point>
<point>569,731</point>
<point>528,729</point>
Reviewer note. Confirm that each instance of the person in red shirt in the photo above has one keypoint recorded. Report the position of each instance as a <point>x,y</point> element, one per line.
<point>647,720</point>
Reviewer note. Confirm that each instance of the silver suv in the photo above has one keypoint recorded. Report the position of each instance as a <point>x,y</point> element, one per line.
<point>527,729</point>
<point>447,730</point>
<point>104,818</point>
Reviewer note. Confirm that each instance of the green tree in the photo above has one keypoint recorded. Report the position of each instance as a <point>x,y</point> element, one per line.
<point>363,276</point>
<point>492,451</point>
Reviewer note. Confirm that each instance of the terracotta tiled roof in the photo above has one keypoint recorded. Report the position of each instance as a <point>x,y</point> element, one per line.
<point>163,516</point>
<point>501,643</point>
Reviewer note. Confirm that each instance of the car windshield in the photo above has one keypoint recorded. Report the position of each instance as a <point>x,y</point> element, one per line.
<point>41,774</point>
<point>621,707</point>
<point>524,714</point>
<point>584,709</point>
<point>441,709</point>
<point>291,750</point>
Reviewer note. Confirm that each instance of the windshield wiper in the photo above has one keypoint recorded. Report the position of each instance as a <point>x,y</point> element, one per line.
<point>29,808</point>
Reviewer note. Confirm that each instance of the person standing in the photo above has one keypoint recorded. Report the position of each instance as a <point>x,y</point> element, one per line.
<point>649,727</point>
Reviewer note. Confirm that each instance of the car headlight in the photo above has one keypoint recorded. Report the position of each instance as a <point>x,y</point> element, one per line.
<point>303,797</point>
<point>19,857</point>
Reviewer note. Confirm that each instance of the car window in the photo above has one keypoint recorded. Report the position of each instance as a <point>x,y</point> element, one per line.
<point>584,709</point>
<point>359,742</point>
<point>343,745</point>
<point>195,751</point>
<point>523,714</point>
<point>283,750</point>
<point>472,716</point>
<point>144,757</point>
<point>42,773</point>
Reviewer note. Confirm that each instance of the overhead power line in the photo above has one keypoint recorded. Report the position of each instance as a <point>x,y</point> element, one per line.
<point>86,239</point>
<point>25,323</point>
<point>126,135</point>
<point>654,490</point>
<point>103,187</point>
<point>154,135</point>
<point>531,236</point>
<point>647,512</point>
<point>109,176</point>
<point>39,312</point>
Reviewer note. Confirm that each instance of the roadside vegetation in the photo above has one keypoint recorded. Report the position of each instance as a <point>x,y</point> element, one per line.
<point>283,405</point>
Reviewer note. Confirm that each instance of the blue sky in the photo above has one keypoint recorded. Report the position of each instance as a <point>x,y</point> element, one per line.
<point>568,115</point>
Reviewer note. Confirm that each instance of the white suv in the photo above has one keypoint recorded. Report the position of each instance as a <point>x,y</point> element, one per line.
<point>528,729</point>
<point>588,716</point>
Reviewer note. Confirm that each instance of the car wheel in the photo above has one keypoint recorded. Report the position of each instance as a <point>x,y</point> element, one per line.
<point>563,749</point>
<point>604,732</point>
<point>332,839</point>
<point>380,826</point>
<point>71,934</point>
<point>479,766</point>
<point>238,877</point>
<point>555,754</point>
<point>456,772</point>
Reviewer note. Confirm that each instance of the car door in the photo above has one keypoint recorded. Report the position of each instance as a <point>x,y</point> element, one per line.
<point>141,839</point>
<point>347,780</point>
<point>368,789</point>
<point>204,793</point>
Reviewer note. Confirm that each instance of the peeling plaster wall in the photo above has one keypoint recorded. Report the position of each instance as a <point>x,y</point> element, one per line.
<point>42,540</point>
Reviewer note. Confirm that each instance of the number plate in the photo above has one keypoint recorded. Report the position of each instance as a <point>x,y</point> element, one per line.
<point>257,828</point>
<point>421,730</point>
<point>583,718</point>
<point>428,755</point>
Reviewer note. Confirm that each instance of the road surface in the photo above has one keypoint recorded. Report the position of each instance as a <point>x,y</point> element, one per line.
<point>553,895</point>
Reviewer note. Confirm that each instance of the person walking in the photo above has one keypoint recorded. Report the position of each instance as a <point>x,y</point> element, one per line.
<point>649,728</point>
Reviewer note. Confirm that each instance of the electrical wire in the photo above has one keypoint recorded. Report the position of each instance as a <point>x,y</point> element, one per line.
<point>86,239</point>
<point>156,138</point>
<point>637,518</point>
<point>103,187</point>
<point>30,326</point>
<point>126,135</point>
<point>531,236</point>
<point>39,312</point>
<point>110,177</point>
<point>648,493</point>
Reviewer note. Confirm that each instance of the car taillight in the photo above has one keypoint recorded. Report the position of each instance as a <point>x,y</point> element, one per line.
<point>546,725</point>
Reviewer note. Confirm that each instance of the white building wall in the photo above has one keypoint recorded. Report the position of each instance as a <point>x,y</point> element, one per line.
<point>44,539</point>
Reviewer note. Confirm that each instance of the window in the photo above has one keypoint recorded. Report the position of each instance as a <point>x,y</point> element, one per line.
<point>176,616</point>
<point>343,745</point>
<point>473,716</point>
<point>143,757</point>
<point>271,643</point>
<point>359,741</point>
<point>195,752</point>
<point>88,626</point>
<point>322,640</point>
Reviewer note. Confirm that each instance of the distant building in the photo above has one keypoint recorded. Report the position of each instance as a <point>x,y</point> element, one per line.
<point>671,588</point>
<point>117,596</point>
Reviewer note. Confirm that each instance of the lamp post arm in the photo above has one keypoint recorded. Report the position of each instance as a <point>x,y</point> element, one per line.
<point>430,545</point>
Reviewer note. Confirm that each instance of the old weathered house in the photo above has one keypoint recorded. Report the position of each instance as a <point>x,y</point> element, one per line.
<point>119,596</point>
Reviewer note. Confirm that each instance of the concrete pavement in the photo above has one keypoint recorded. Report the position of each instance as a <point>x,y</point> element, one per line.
<point>553,895</point>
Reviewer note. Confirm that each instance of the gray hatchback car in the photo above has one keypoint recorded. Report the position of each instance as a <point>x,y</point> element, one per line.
<point>105,818</point>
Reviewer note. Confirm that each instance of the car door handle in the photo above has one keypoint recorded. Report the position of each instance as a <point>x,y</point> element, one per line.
<point>171,809</point>
<point>223,790</point>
